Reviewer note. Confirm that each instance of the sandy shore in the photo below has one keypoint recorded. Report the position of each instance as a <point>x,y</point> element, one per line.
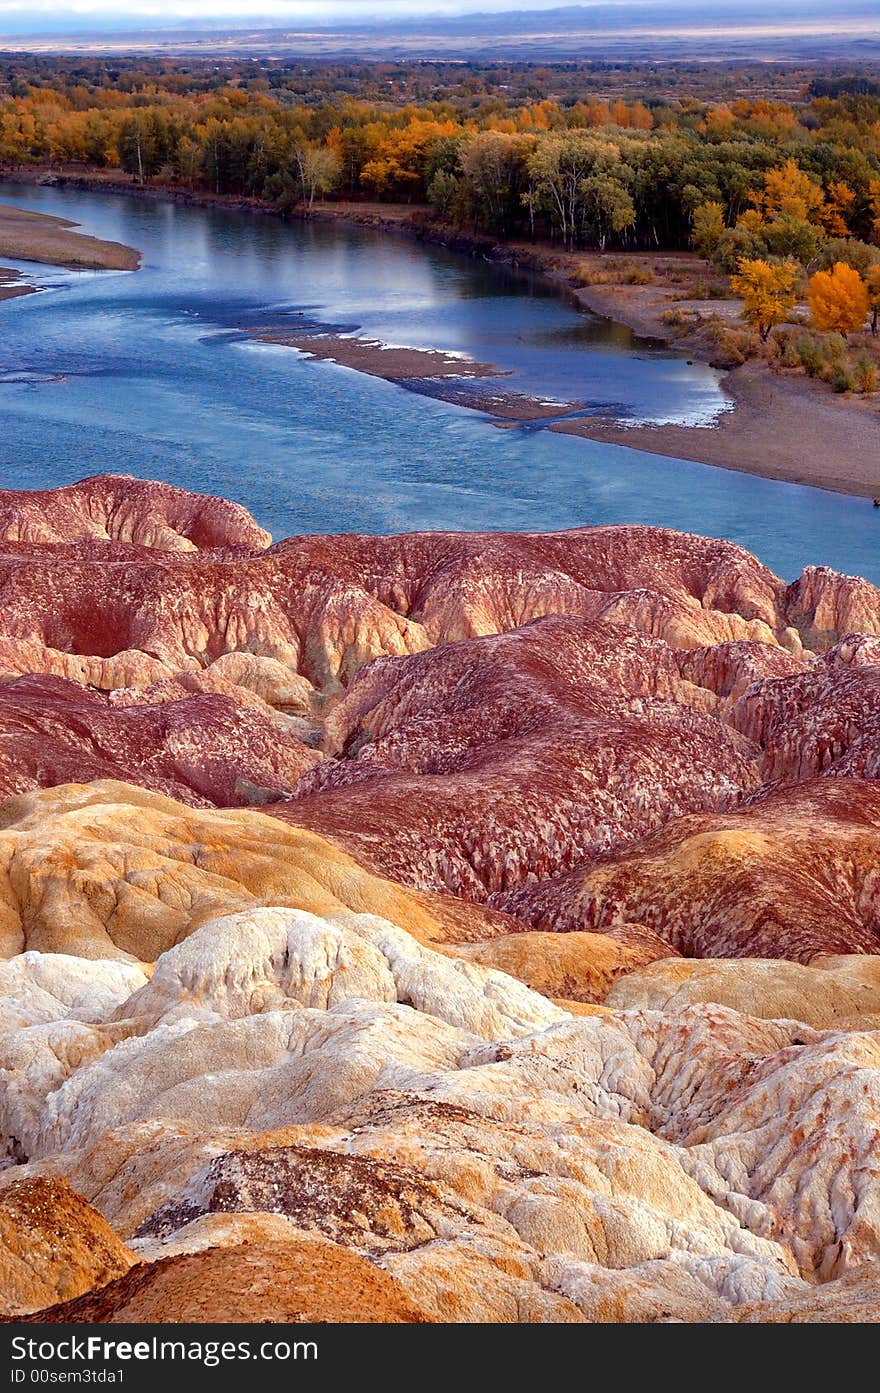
<point>11,284</point>
<point>380,359</point>
<point>642,307</point>
<point>428,371</point>
<point>781,427</point>
<point>27,236</point>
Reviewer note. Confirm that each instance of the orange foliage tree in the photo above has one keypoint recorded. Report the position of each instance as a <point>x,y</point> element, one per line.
<point>399,165</point>
<point>838,300</point>
<point>768,292</point>
<point>838,210</point>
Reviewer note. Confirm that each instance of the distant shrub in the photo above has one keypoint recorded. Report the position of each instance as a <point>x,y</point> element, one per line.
<point>735,245</point>
<point>583,275</point>
<point>835,358</point>
<point>835,347</point>
<point>614,273</point>
<point>788,350</point>
<point>842,380</point>
<point>774,350</point>
<point>810,354</point>
<point>865,375</point>
<point>638,275</point>
<point>733,346</point>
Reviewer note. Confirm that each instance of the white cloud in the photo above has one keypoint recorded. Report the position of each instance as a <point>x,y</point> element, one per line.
<point>258,9</point>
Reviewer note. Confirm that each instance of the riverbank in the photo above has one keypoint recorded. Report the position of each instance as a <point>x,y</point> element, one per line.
<point>450,377</point>
<point>781,425</point>
<point>12,285</point>
<point>26,236</point>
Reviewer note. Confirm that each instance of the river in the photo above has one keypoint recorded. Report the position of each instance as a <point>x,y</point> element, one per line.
<point>152,373</point>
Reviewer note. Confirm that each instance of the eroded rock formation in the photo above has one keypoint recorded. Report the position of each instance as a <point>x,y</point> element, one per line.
<point>53,1246</point>
<point>794,871</point>
<point>503,758</point>
<point>438,927</point>
<point>497,1156</point>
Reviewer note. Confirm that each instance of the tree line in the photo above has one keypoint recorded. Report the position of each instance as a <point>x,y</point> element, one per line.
<point>745,179</point>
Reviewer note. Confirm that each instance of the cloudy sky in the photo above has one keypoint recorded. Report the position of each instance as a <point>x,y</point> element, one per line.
<point>30,17</point>
<point>46,14</point>
<point>49,15</point>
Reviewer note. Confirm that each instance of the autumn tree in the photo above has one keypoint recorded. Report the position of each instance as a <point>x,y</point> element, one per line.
<point>838,211</point>
<point>443,192</point>
<point>401,161</point>
<point>606,206</point>
<point>789,193</point>
<point>872,284</point>
<point>580,182</point>
<point>558,167</point>
<point>874,208</point>
<point>316,170</point>
<point>137,147</point>
<point>768,292</point>
<point>707,228</point>
<point>838,300</point>
<point>493,166</point>
<point>189,160</point>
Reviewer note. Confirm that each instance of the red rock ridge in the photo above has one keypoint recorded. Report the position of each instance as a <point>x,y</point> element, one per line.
<point>792,873</point>
<point>119,508</point>
<point>503,758</point>
<point>203,750</point>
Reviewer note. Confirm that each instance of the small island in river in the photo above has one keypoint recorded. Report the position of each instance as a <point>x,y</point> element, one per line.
<point>28,236</point>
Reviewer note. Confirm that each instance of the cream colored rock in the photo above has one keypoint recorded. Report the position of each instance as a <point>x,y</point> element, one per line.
<point>853,1299</point>
<point>110,871</point>
<point>744,1135</point>
<point>312,1072</point>
<point>560,1087</point>
<point>278,685</point>
<point>777,1122</point>
<point>36,988</point>
<point>833,992</point>
<point>270,959</point>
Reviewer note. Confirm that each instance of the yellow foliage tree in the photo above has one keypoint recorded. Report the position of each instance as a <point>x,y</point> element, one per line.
<point>707,228</point>
<point>768,292</point>
<point>838,300</point>
<point>399,164</point>
<point>789,193</point>
<point>872,285</point>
